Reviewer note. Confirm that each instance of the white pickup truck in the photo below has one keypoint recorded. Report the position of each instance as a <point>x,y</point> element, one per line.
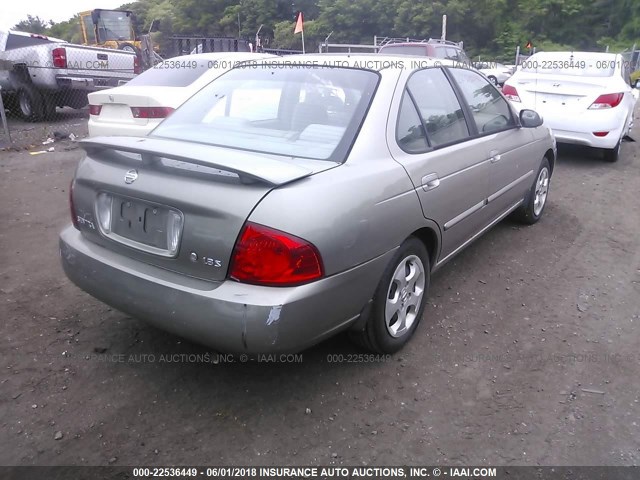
<point>38,73</point>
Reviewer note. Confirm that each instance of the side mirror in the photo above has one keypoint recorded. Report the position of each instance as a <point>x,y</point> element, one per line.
<point>530,119</point>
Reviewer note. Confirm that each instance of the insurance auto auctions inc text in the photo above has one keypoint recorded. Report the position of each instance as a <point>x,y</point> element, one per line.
<point>375,472</point>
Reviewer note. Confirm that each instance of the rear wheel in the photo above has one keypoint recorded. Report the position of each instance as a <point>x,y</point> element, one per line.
<point>399,301</point>
<point>612,154</point>
<point>30,103</point>
<point>11,103</point>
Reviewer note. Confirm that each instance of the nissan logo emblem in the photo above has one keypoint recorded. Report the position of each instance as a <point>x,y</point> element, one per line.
<point>130,176</point>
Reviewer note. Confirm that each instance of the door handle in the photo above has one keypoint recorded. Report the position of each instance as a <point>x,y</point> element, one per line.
<point>429,182</point>
<point>494,156</point>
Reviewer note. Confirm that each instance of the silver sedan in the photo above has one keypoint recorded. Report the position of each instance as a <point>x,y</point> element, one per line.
<point>296,198</point>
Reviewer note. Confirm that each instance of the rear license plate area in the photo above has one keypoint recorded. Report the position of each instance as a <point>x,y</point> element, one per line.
<point>140,222</point>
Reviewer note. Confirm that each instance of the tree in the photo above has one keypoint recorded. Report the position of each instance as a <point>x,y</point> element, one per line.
<point>487,27</point>
<point>33,25</point>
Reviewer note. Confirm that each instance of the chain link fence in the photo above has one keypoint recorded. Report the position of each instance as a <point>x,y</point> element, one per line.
<point>45,84</point>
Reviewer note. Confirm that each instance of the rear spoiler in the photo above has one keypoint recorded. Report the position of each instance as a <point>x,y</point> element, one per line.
<point>249,166</point>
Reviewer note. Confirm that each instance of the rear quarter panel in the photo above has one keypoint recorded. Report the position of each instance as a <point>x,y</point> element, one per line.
<point>35,58</point>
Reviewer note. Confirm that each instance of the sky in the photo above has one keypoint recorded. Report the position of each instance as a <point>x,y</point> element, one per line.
<point>12,11</point>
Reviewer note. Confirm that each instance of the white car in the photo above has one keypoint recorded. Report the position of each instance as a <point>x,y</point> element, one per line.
<point>586,98</point>
<point>497,73</point>
<point>136,108</point>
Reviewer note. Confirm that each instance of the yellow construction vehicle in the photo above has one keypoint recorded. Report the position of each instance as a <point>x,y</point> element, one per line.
<point>109,29</point>
<point>115,29</point>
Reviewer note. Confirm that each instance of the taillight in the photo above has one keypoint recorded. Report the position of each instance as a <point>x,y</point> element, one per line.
<point>601,134</point>
<point>608,100</point>
<point>72,209</point>
<point>511,93</point>
<point>264,256</point>
<point>151,112</point>
<point>136,65</point>
<point>59,57</point>
<point>95,109</point>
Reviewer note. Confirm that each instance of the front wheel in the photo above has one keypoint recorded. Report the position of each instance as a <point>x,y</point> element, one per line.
<point>399,301</point>
<point>532,210</point>
<point>127,47</point>
<point>493,80</point>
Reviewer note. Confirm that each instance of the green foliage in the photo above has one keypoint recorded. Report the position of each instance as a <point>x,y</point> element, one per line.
<point>314,34</point>
<point>68,30</point>
<point>489,28</point>
<point>33,25</point>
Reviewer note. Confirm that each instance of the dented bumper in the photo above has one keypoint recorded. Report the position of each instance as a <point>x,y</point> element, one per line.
<point>227,316</point>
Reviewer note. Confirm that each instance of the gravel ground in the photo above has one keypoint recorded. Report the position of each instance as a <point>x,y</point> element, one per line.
<point>527,354</point>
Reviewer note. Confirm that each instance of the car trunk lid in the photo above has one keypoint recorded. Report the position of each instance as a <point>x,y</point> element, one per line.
<point>139,196</point>
<point>559,93</point>
<point>117,102</point>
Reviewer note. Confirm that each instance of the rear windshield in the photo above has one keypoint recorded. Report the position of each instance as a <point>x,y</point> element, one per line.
<point>20,41</point>
<point>174,73</point>
<point>404,50</point>
<point>292,110</point>
<point>575,65</point>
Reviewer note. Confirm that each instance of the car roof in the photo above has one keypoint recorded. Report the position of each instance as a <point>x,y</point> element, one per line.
<point>36,35</point>
<point>577,54</point>
<point>221,55</point>
<point>434,43</point>
<point>405,44</point>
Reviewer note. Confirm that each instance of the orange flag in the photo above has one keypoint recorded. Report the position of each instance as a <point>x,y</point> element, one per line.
<point>299,24</point>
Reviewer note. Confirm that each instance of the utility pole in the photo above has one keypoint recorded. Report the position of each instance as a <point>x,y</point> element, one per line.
<point>444,27</point>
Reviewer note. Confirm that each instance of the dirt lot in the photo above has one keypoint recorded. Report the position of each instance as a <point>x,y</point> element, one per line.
<point>527,355</point>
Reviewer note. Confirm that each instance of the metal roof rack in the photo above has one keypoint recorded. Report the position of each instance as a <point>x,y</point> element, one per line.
<point>380,41</point>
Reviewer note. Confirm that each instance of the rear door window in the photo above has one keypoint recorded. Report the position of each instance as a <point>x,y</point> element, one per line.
<point>410,133</point>
<point>438,106</point>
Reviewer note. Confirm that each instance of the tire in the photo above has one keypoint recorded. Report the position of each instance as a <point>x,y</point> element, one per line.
<point>30,103</point>
<point>11,104</point>
<point>611,155</point>
<point>48,107</point>
<point>536,200</point>
<point>493,80</point>
<point>77,99</point>
<point>127,47</point>
<point>383,331</point>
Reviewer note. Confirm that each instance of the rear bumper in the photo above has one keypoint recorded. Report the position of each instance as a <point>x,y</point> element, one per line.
<point>227,316</point>
<point>103,128</point>
<point>90,84</point>
<point>587,139</point>
<point>578,129</point>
